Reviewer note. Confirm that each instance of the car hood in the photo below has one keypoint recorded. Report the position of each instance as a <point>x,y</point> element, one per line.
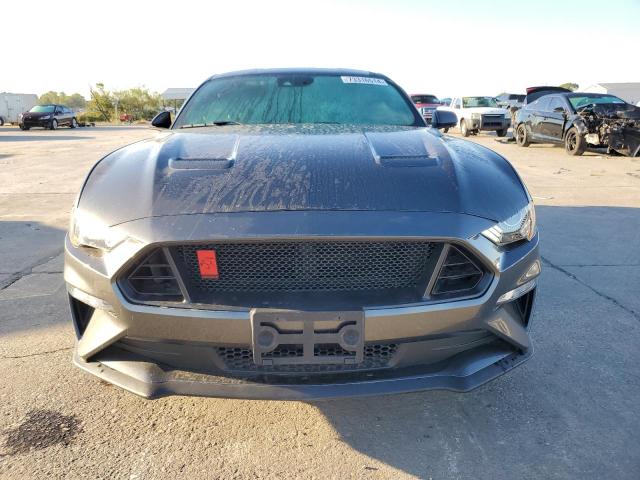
<point>35,114</point>
<point>306,167</point>
<point>615,111</point>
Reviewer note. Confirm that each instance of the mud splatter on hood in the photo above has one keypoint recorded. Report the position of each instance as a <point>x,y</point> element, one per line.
<point>305,167</point>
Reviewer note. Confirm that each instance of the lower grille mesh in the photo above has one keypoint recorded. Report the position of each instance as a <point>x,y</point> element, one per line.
<point>241,359</point>
<point>311,266</point>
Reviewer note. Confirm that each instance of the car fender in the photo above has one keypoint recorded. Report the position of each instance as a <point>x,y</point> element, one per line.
<point>579,124</point>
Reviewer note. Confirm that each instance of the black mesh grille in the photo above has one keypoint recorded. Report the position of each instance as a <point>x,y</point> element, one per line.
<point>311,266</point>
<point>491,120</point>
<point>241,359</point>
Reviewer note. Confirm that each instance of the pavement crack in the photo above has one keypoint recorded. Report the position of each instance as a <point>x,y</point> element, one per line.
<point>559,268</point>
<point>37,354</point>
<point>599,265</point>
<point>34,273</point>
<point>15,276</point>
<point>10,281</point>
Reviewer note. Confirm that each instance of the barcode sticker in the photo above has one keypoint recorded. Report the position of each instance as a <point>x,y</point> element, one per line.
<point>364,80</point>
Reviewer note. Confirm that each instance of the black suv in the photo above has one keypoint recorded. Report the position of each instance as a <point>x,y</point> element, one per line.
<point>48,116</point>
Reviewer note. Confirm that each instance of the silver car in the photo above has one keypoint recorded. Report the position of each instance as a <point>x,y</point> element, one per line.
<point>299,234</point>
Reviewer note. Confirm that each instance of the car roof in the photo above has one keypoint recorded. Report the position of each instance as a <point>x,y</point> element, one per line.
<point>534,93</point>
<point>590,94</point>
<point>300,71</point>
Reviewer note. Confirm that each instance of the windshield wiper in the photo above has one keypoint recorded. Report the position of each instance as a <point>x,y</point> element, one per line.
<point>217,123</point>
<point>225,122</point>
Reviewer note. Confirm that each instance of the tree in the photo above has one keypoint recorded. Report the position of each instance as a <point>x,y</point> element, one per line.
<point>75,101</point>
<point>138,102</point>
<point>50,97</point>
<point>101,101</point>
<point>570,86</point>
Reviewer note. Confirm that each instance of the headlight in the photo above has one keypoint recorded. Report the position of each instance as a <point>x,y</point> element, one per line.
<point>86,230</point>
<point>45,117</point>
<point>520,226</point>
<point>475,116</point>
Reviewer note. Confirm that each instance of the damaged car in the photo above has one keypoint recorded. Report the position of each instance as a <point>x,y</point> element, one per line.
<point>580,121</point>
<point>298,234</point>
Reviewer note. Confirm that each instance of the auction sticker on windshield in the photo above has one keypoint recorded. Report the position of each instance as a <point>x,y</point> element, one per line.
<point>364,80</point>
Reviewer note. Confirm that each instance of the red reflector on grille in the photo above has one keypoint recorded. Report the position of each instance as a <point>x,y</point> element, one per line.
<point>207,263</point>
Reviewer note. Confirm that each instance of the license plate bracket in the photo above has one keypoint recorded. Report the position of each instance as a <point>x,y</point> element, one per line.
<point>312,332</point>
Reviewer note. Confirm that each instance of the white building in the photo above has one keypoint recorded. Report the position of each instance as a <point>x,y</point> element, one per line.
<point>629,92</point>
<point>13,104</point>
<point>175,97</point>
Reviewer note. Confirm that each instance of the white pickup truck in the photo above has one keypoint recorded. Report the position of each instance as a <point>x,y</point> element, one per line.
<point>479,114</point>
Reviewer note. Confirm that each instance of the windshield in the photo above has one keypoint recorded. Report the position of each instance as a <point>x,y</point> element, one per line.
<point>298,98</point>
<point>583,99</point>
<point>424,99</point>
<point>471,102</point>
<point>43,109</point>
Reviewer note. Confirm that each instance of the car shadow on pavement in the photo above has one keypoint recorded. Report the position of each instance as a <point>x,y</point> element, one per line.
<point>27,137</point>
<point>567,413</point>
<point>32,292</point>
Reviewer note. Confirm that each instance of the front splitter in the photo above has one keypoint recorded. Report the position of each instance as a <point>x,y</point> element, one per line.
<point>461,374</point>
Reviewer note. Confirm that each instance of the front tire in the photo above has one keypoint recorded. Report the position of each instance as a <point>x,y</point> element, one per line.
<point>74,123</point>
<point>54,124</point>
<point>22,127</point>
<point>501,133</point>
<point>1,121</point>
<point>522,137</point>
<point>445,130</point>
<point>574,143</point>
<point>464,129</point>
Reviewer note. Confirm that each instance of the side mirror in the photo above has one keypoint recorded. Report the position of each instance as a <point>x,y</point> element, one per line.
<point>443,119</point>
<point>559,110</point>
<point>162,120</point>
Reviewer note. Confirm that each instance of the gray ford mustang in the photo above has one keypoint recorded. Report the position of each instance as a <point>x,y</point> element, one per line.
<point>299,234</point>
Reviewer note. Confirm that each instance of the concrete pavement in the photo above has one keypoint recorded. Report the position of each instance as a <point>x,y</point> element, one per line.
<point>570,412</point>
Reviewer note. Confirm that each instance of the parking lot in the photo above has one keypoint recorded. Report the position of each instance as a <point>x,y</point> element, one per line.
<point>570,412</point>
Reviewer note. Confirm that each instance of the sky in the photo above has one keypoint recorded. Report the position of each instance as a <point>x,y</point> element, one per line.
<point>448,47</point>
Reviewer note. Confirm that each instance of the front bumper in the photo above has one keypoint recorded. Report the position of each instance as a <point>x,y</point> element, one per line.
<point>138,375</point>
<point>155,351</point>
<point>26,122</point>
<point>626,141</point>
<point>427,114</point>
<point>487,125</point>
